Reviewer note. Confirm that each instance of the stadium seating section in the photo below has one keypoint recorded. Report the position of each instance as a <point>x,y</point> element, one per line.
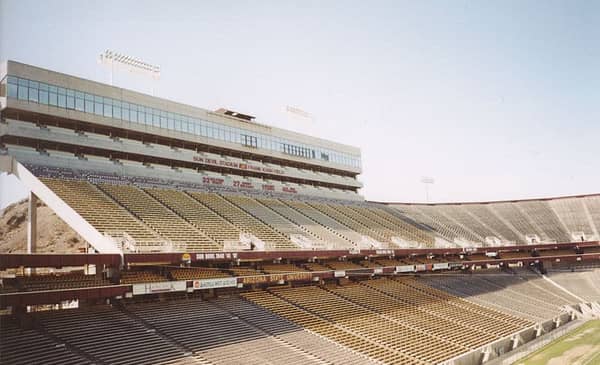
<point>57,281</point>
<point>369,321</point>
<point>162,216</point>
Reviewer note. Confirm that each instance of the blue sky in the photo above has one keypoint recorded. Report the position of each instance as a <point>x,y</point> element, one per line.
<point>494,99</point>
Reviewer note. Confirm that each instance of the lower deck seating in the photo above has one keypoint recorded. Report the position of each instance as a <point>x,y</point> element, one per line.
<point>369,264</point>
<point>583,283</point>
<point>244,271</point>
<point>325,328</point>
<point>523,296</point>
<point>393,320</point>
<point>313,266</point>
<point>280,268</point>
<point>20,346</point>
<point>343,265</point>
<point>59,281</point>
<point>217,335</point>
<point>108,336</point>
<point>356,318</point>
<point>194,273</point>
<point>387,262</point>
<point>290,333</point>
<point>399,315</point>
<point>135,277</point>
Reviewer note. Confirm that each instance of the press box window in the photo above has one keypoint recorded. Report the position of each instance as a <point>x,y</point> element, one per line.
<point>249,141</point>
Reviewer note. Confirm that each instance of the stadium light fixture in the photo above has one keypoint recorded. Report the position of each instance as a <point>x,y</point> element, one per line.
<point>132,64</point>
<point>427,181</point>
<point>297,112</point>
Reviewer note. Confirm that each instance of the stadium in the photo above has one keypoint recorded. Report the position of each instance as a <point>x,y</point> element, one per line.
<point>211,238</point>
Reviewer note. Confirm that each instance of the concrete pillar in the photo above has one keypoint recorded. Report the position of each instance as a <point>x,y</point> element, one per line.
<point>516,341</point>
<point>32,223</point>
<point>539,331</point>
<point>487,355</point>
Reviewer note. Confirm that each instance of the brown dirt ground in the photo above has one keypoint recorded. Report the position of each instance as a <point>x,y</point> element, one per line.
<point>54,235</point>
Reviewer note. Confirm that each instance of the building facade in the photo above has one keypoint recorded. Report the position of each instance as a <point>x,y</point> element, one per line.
<point>58,120</point>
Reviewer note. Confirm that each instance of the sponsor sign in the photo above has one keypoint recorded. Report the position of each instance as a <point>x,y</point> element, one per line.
<point>384,252</point>
<point>215,283</point>
<point>405,268</point>
<point>455,264</point>
<point>162,287</point>
<point>299,276</point>
<point>441,266</point>
<point>420,267</point>
<point>339,273</point>
<point>378,270</point>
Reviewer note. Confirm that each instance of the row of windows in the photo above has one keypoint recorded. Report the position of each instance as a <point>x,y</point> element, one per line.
<point>46,94</point>
<point>298,151</point>
<point>249,141</point>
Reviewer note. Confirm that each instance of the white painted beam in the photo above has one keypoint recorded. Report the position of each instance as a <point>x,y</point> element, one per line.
<point>100,242</point>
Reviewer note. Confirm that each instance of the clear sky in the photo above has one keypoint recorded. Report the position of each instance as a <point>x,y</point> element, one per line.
<point>493,99</point>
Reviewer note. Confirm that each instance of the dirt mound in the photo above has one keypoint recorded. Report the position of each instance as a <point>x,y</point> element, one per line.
<point>54,235</point>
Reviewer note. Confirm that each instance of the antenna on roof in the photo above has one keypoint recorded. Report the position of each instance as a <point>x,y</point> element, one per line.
<point>132,64</point>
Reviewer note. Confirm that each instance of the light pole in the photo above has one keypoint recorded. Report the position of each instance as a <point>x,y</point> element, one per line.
<point>111,58</point>
<point>427,181</point>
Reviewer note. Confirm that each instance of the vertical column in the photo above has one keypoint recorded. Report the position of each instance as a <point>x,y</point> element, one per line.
<point>32,223</point>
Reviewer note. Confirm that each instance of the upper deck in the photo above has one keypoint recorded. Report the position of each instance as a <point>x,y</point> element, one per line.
<point>40,93</point>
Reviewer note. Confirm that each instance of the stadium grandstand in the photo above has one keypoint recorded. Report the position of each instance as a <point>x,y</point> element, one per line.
<point>212,238</point>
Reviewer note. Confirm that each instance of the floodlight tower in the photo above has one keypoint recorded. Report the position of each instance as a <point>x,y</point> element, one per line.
<point>299,112</point>
<point>427,181</point>
<point>132,64</point>
<point>295,114</point>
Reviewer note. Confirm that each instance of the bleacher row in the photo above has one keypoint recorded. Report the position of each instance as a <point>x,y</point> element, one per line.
<point>583,283</point>
<point>383,320</point>
<point>518,222</point>
<point>58,281</point>
<point>204,221</point>
<point>178,219</point>
<point>524,294</point>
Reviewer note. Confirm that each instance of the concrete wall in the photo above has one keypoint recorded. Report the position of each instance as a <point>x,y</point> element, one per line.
<point>499,349</point>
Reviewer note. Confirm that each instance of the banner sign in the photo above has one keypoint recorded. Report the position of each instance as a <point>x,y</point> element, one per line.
<point>236,165</point>
<point>254,279</point>
<point>216,256</point>
<point>339,273</point>
<point>299,276</point>
<point>405,268</point>
<point>215,283</point>
<point>441,266</point>
<point>420,267</point>
<point>378,270</point>
<point>162,287</point>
